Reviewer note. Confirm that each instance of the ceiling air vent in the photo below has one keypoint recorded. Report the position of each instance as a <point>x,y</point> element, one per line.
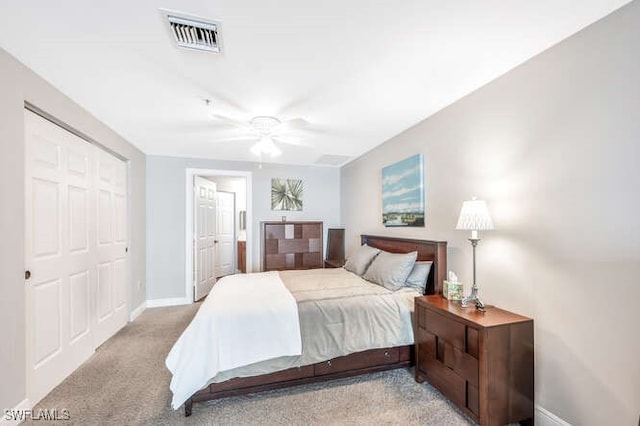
<point>194,33</point>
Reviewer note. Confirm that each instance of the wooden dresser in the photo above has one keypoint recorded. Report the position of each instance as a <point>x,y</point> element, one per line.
<point>481,361</point>
<point>291,245</point>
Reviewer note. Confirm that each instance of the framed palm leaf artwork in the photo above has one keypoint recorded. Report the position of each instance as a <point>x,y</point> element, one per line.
<point>286,194</point>
<point>403,193</point>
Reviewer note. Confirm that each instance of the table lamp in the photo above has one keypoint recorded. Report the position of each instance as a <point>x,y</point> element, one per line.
<point>474,217</point>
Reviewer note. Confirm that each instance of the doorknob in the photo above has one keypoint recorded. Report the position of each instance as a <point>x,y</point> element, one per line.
<point>27,275</point>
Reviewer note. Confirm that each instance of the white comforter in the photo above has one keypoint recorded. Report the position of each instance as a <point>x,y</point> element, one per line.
<point>233,314</point>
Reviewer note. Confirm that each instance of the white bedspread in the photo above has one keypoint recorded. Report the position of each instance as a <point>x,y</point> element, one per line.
<point>234,327</point>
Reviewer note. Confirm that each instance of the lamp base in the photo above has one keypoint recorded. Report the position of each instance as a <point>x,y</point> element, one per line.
<point>473,298</point>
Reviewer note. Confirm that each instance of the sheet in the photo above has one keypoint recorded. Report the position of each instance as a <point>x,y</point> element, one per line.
<point>233,316</point>
<point>340,313</point>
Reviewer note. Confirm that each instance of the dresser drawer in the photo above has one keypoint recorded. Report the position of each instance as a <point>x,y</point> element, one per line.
<point>448,330</point>
<point>433,348</point>
<point>463,364</point>
<point>454,387</point>
<point>446,381</point>
<point>358,360</point>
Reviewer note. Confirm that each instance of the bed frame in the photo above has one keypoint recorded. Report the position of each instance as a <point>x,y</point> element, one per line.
<point>349,365</point>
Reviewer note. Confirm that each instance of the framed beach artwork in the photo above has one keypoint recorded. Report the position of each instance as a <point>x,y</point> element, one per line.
<point>403,193</point>
<point>286,194</point>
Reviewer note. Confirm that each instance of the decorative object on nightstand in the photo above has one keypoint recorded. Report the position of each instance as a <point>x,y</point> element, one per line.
<point>474,217</point>
<point>451,288</point>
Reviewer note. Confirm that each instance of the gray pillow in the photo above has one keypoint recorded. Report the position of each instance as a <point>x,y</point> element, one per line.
<point>391,270</point>
<point>418,277</point>
<point>360,260</point>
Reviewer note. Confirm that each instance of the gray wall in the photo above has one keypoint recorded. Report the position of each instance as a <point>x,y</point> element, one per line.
<point>553,146</point>
<point>17,85</point>
<point>166,198</point>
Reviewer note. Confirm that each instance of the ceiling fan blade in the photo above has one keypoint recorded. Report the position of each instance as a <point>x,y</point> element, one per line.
<point>218,102</point>
<point>290,141</point>
<point>294,124</point>
<point>231,121</point>
<point>239,139</point>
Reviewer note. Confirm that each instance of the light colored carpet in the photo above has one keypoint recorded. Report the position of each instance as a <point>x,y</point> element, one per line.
<point>126,383</point>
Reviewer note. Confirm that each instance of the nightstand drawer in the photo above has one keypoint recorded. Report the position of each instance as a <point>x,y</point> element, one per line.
<point>454,387</point>
<point>463,364</point>
<point>434,348</point>
<point>446,381</point>
<point>450,331</point>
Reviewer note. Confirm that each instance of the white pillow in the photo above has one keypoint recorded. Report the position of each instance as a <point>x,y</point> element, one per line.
<point>418,277</point>
<point>391,270</point>
<point>360,260</point>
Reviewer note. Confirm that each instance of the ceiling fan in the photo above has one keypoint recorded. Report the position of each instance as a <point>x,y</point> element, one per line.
<point>266,131</point>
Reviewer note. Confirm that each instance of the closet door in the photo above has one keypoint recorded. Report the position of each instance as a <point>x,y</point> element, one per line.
<point>58,254</point>
<point>61,254</point>
<point>111,246</point>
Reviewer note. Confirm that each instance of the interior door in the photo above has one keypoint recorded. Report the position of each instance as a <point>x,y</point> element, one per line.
<point>58,276</point>
<point>61,253</point>
<point>225,233</point>
<point>204,237</point>
<point>111,246</point>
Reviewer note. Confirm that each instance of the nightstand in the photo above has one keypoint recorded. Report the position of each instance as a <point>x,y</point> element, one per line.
<point>481,361</point>
<point>330,263</point>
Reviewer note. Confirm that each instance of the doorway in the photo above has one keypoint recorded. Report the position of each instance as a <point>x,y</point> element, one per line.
<point>233,211</point>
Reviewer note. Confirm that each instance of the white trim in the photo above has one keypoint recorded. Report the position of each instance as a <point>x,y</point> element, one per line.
<point>190,173</point>
<point>23,406</point>
<point>544,417</point>
<point>131,289</point>
<point>137,311</point>
<point>169,301</point>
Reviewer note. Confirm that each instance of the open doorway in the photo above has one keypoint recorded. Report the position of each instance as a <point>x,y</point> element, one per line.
<point>227,228</point>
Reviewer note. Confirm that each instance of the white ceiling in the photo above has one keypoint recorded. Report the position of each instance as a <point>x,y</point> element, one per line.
<point>357,71</point>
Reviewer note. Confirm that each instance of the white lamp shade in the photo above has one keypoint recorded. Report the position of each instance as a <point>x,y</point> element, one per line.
<point>474,216</point>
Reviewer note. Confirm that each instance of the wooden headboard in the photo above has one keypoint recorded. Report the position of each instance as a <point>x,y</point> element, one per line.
<point>435,251</point>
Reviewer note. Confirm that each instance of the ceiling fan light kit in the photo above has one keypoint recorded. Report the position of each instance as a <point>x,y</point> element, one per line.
<point>266,147</point>
<point>263,124</point>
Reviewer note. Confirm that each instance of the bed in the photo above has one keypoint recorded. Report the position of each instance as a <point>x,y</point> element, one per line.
<point>353,358</point>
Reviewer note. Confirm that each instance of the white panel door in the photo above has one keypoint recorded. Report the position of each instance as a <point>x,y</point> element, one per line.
<point>111,245</point>
<point>60,254</point>
<point>204,237</point>
<point>225,233</point>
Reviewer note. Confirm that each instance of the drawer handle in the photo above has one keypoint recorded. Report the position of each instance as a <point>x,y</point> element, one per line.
<point>387,354</point>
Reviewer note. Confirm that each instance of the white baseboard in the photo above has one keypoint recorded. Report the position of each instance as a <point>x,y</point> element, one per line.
<point>171,301</point>
<point>14,418</point>
<point>137,311</point>
<point>544,417</point>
